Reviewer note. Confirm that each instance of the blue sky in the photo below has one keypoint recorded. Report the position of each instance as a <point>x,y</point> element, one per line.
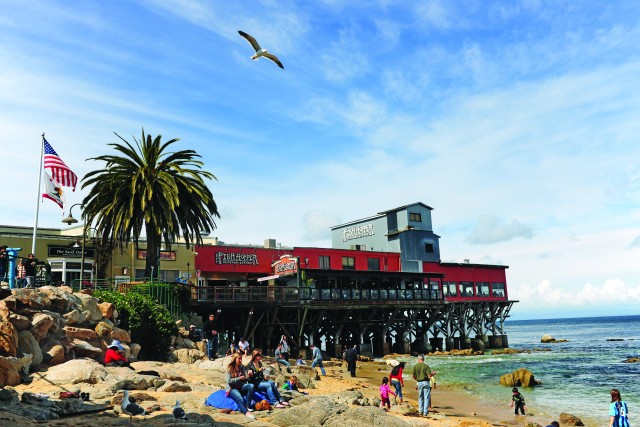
<point>517,121</point>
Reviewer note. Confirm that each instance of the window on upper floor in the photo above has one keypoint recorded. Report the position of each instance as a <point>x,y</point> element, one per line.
<point>415,217</point>
<point>497,289</point>
<point>483,289</point>
<point>467,289</point>
<point>373,264</point>
<point>428,248</point>
<point>348,263</point>
<point>324,262</point>
<point>450,289</point>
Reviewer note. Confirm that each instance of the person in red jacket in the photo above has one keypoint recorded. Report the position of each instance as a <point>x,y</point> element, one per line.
<point>115,355</point>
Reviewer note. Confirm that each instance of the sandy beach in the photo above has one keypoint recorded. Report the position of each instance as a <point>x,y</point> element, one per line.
<point>452,408</point>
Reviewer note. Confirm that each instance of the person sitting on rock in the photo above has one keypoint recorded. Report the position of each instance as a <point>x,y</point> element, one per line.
<point>115,355</point>
<point>195,334</point>
<point>280,358</point>
<point>262,382</point>
<point>239,389</point>
<point>292,384</point>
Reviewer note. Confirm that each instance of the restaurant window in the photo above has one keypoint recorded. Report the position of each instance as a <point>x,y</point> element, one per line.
<point>415,217</point>
<point>348,263</point>
<point>497,289</point>
<point>483,289</point>
<point>324,262</point>
<point>467,289</point>
<point>428,248</point>
<point>373,264</point>
<point>449,289</point>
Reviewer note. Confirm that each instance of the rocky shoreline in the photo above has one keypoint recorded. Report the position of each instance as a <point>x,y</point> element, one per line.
<point>52,339</point>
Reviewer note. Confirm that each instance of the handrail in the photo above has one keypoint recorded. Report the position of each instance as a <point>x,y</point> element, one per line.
<point>305,294</point>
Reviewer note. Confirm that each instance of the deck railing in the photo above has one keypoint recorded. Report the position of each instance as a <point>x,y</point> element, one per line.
<point>304,294</point>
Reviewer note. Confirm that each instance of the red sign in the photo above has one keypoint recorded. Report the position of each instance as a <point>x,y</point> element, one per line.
<point>285,266</point>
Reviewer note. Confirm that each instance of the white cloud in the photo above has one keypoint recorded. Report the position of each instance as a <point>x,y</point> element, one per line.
<point>491,229</point>
<point>317,224</point>
<point>635,243</point>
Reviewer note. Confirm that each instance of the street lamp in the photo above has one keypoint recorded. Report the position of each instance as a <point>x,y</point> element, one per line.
<point>71,220</point>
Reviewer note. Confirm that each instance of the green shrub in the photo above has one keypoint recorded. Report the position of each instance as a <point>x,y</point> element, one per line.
<point>151,324</point>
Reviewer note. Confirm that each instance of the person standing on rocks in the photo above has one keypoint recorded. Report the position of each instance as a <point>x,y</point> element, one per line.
<point>285,347</point>
<point>422,374</point>
<point>211,335</point>
<point>316,357</point>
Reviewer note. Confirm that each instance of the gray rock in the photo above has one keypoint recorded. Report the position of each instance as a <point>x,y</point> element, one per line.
<point>314,412</point>
<point>75,371</point>
<point>364,416</point>
<point>20,322</point>
<point>27,344</point>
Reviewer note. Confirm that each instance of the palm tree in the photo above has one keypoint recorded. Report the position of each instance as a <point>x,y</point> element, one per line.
<point>152,190</point>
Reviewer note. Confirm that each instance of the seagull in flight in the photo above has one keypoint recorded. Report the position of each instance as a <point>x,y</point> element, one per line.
<point>131,409</point>
<point>178,412</point>
<point>260,51</point>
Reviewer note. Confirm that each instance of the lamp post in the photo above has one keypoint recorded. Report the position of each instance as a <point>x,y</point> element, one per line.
<point>71,220</point>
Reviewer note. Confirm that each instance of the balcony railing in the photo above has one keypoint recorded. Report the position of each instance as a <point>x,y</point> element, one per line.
<point>303,294</point>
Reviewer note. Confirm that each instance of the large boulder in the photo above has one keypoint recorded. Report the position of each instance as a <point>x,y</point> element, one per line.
<point>570,419</point>
<point>27,344</point>
<point>188,355</point>
<point>90,304</point>
<point>84,349</point>
<point>53,353</point>
<point>314,413</point>
<point>103,329</point>
<point>75,371</point>
<point>74,317</point>
<point>107,309</point>
<point>519,377</point>
<point>80,333</point>
<point>364,416</point>
<point>10,368</point>
<point>19,321</point>
<point>41,324</point>
<point>8,339</point>
<point>120,335</point>
<point>135,350</point>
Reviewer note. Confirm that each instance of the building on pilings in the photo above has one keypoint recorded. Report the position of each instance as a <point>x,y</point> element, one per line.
<point>382,286</point>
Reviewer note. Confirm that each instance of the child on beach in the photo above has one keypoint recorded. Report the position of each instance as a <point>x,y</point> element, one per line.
<point>617,410</point>
<point>385,390</point>
<point>518,400</point>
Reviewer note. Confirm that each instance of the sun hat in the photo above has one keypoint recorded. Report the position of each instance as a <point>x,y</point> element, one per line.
<point>393,362</point>
<point>116,344</point>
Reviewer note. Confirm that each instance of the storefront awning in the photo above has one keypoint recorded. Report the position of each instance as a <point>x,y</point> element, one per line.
<point>262,279</point>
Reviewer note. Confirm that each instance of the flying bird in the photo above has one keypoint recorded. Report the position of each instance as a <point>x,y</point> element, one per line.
<point>260,51</point>
<point>178,412</point>
<point>131,409</point>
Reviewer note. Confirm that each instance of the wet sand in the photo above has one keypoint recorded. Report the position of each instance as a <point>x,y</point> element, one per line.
<point>452,407</point>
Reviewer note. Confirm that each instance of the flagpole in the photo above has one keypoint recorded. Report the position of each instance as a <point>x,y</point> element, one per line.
<point>35,226</point>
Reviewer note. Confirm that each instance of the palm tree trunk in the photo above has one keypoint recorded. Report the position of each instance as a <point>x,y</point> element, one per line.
<point>153,252</point>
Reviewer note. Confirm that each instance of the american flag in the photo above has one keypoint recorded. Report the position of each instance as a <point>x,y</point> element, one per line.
<point>60,172</point>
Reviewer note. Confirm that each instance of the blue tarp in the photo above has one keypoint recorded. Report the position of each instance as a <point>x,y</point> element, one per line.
<point>218,399</point>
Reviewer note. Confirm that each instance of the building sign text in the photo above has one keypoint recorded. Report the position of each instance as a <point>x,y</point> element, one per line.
<point>357,232</point>
<point>236,258</point>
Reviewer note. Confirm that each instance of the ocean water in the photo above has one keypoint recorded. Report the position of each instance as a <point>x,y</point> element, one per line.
<point>577,375</point>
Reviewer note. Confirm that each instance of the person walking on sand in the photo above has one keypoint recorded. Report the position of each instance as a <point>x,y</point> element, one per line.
<point>518,400</point>
<point>385,391</point>
<point>396,377</point>
<point>422,373</point>
<point>618,410</point>
<point>316,357</point>
<point>351,356</point>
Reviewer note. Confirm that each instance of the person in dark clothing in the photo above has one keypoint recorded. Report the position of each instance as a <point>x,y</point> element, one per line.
<point>195,334</point>
<point>351,356</point>
<point>211,335</point>
<point>518,400</point>
<point>4,262</point>
<point>30,264</point>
